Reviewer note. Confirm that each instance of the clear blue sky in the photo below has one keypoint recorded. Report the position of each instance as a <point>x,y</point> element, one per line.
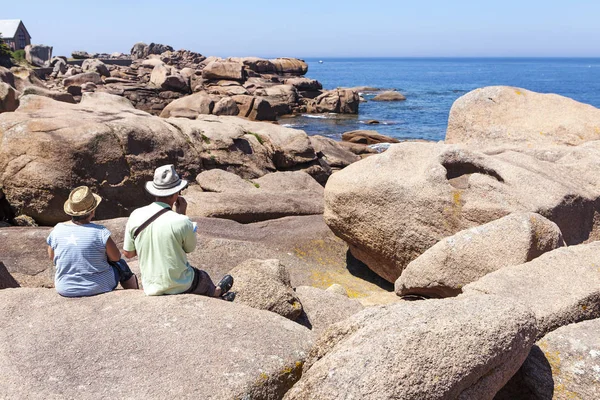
<point>319,28</point>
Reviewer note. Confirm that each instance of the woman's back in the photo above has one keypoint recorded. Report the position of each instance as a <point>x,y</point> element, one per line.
<point>82,268</point>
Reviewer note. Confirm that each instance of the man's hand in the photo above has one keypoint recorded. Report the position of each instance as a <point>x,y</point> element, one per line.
<point>180,205</point>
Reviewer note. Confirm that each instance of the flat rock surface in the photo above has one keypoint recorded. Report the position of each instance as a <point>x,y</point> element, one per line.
<point>305,245</point>
<point>560,287</point>
<point>127,345</point>
<point>433,349</point>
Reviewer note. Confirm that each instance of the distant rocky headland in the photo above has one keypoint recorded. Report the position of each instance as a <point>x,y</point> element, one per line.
<point>367,268</point>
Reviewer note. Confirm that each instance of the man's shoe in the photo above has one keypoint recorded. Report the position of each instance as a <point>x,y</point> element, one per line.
<point>225,284</point>
<point>229,296</point>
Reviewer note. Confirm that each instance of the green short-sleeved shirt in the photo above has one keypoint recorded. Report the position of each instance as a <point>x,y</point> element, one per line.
<point>161,249</point>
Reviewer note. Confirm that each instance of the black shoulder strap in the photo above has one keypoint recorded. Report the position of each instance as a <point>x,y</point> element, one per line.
<point>148,222</point>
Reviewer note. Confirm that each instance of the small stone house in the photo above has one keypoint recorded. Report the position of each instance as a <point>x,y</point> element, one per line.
<point>14,34</point>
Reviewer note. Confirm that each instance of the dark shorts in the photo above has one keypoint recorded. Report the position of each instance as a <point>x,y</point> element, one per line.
<point>201,284</point>
<point>121,270</point>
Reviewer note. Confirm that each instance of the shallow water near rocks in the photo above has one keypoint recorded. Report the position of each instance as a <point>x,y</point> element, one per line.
<point>431,85</point>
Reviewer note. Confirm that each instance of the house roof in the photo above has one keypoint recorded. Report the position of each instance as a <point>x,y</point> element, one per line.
<point>8,27</point>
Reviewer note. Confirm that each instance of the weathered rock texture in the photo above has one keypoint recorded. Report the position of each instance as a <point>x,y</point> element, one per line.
<point>455,261</point>
<point>265,285</point>
<point>436,349</point>
<point>6,279</point>
<point>367,137</point>
<point>323,308</point>
<point>183,346</point>
<point>392,207</point>
<point>38,54</point>
<point>563,365</point>
<point>49,147</point>
<point>560,287</point>
<point>222,194</point>
<point>9,98</point>
<point>498,115</point>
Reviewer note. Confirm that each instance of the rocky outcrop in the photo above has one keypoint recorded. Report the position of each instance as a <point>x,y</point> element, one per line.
<point>457,260</point>
<point>392,207</point>
<point>265,285</point>
<point>367,137</point>
<point>38,55</point>
<point>93,65</point>
<point>344,101</point>
<point>431,349</point>
<point>252,353</point>
<point>6,279</point>
<point>498,115</point>
<point>9,98</point>
<point>225,195</point>
<point>563,365</point>
<point>223,70</point>
<point>291,66</point>
<point>322,308</point>
<point>389,96</point>
<point>560,287</point>
<point>105,143</point>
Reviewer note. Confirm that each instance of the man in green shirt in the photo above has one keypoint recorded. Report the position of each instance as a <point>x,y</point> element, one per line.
<point>161,238</point>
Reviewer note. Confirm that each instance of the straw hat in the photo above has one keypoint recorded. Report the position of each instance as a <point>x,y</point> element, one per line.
<point>166,182</point>
<point>81,202</point>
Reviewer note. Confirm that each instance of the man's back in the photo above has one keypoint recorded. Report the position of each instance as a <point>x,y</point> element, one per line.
<point>162,248</point>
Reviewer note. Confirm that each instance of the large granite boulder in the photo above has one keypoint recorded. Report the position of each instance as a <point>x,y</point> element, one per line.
<point>139,50</point>
<point>457,260</point>
<point>38,54</point>
<point>9,98</point>
<point>498,115</point>
<point>164,77</point>
<point>560,287</point>
<point>322,308</point>
<point>255,64</point>
<point>95,65</point>
<point>226,106</point>
<point>304,84</point>
<point>254,108</point>
<point>223,70</point>
<point>563,365</point>
<point>281,97</point>
<point>225,195</point>
<point>265,285</point>
<point>49,147</point>
<point>184,346</point>
<point>436,349</point>
<point>392,207</point>
<point>291,66</point>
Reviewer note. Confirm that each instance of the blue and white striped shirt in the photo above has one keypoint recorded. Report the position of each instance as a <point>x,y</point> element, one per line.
<point>82,268</point>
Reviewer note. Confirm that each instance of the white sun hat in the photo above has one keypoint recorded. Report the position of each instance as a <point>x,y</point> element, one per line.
<point>166,182</point>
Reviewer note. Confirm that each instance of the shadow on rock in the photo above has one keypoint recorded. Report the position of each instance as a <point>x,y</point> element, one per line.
<point>533,381</point>
<point>360,270</point>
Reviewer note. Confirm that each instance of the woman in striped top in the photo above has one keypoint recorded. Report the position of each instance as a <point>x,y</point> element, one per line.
<point>82,250</point>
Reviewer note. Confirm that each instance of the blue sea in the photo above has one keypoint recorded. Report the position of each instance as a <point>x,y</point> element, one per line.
<point>431,85</point>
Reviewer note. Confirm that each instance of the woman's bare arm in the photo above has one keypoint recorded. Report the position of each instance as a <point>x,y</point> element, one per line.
<point>112,251</point>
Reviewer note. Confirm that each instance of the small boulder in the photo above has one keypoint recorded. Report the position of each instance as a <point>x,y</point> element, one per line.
<point>163,77</point>
<point>339,101</point>
<point>217,180</point>
<point>335,154</point>
<point>254,108</point>
<point>265,285</point>
<point>94,65</point>
<point>139,50</point>
<point>304,84</point>
<point>458,260</point>
<point>389,96</point>
<point>9,98</point>
<point>190,106</point>
<point>560,287</point>
<point>367,137</point>
<point>292,66</point>
<point>80,55</point>
<point>323,308</point>
<point>435,349</point>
